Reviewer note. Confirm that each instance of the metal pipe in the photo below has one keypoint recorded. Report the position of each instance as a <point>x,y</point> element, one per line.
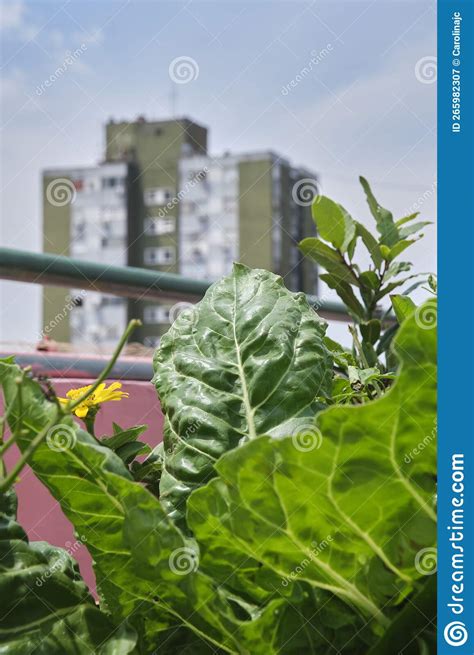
<point>56,270</point>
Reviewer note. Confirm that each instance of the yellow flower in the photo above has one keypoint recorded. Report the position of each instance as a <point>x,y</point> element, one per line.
<point>101,395</point>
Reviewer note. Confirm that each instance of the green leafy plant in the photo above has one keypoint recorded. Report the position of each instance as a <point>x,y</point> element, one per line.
<point>45,606</point>
<point>302,532</point>
<point>362,290</point>
<point>250,359</point>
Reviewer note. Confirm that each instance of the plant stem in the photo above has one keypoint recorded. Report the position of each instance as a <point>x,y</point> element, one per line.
<point>130,327</point>
<point>7,482</point>
<point>89,423</point>
<point>9,479</point>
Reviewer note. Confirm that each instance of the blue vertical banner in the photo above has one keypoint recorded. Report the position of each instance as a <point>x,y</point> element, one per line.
<point>456,327</point>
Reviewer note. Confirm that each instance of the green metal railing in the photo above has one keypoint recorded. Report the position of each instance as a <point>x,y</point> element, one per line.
<point>55,270</point>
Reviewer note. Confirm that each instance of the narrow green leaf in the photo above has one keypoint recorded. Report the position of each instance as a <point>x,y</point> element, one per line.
<point>403,306</point>
<point>329,259</point>
<point>371,244</point>
<point>345,293</point>
<point>412,229</point>
<point>398,248</point>
<point>370,279</point>
<point>122,437</point>
<point>406,219</point>
<point>333,222</point>
<point>371,330</point>
<point>396,268</point>
<point>384,218</point>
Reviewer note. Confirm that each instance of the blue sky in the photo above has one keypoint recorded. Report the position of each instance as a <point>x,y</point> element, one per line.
<point>361,110</point>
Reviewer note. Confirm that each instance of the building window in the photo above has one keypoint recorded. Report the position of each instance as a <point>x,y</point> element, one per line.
<point>111,182</point>
<point>156,314</point>
<point>79,231</point>
<point>155,226</point>
<point>158,196</point>
<point>161,256</point>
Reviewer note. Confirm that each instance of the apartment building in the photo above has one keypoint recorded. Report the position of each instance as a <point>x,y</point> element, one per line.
<point>159,200</point>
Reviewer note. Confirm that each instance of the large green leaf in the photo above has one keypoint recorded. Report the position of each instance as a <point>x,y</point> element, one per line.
<point>146,571</point>
<point>248,359</point>
<point>346,506</point>
<point>45,607</point>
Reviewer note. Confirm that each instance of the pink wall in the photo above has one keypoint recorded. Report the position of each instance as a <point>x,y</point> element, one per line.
<point>38,512</point>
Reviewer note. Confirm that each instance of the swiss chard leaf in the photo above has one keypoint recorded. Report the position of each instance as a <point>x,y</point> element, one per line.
<point>45,606</point>
<point>345,507</point>
<point>250,358</point>
<point>146,571</point>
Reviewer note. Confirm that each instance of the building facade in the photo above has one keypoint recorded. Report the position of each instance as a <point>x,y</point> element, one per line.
<point>160,201</point>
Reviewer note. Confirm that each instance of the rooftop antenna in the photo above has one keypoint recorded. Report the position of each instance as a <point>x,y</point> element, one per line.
<point>173,99</point>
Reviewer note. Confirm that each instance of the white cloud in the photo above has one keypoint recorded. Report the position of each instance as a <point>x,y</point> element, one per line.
<point>12,15</point>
